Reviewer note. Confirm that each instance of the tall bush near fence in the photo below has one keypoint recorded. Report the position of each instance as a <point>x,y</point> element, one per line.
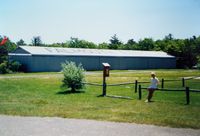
<point>73,76</point>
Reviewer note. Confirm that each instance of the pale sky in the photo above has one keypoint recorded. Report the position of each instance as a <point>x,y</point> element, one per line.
<point>98,20</point>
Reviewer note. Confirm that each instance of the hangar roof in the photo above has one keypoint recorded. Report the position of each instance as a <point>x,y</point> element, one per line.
<point>54,51</point>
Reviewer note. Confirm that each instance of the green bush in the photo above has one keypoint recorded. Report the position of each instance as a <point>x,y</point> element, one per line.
<point>4,68</point>
<point>14,66</point>
<point>73,76</point>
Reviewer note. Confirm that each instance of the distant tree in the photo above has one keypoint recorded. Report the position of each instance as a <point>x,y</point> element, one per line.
<point>86,44</point>
<point>146,44</point>
<point>36,41</point>
<point>194,37</point>
<point>103,45</point>
<point>131,41</point>
<point>115,43</point>
<point>190,52</point>
<point>197,43</point>
<point>160,45</point>
<point>130,45</point>
<point>169,37</point>
<point>21,42</point>
<point>76,43</point>
<point>4,49</point>
<point>186,51</point>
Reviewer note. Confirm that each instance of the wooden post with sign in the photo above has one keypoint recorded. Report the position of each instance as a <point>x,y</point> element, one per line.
<point>106,69</point>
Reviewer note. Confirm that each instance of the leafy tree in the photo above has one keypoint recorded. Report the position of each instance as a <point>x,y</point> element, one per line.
<point>130,45</point>
<point>131,42</point>
<point>36,41</point>
<point>114,42</point>
<point>160,45</point>
<point>103,45</point>
<point>86,44</point>
<point>21,42</point>
<point>169,37</point>
<point>146,44</point>
<point>190,53</point>
<point>185,50</point>
<point>76,43</point>
<point>4,49</point>
<point>73,76</point>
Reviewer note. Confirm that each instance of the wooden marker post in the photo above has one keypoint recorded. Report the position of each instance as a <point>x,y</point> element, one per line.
<point>140,92</point>
<point>187,92</point>
<point>183,82</point>
<point>136,84</point>
<point>162,85</point>
<point>106,69</point>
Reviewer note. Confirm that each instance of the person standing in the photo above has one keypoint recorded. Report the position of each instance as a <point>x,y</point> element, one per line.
<point>152,87</point>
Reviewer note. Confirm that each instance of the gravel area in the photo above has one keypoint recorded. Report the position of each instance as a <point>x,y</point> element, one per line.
<point>53,126</point>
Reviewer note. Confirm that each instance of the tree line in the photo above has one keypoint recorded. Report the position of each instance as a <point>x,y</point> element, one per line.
<point>186,51</point>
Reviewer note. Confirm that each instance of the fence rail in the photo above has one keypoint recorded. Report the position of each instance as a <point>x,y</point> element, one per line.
<point>194,90</point>
<point>95,84</point>
<point>143,82</point>
<point>126,83</point>
<point>166,89</point>
<point>170,80</point>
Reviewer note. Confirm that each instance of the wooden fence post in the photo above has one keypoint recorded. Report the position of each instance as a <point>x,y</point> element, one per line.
<point>183,82</point>
<point>162,85</point>
<point>140,92</point>
<point>104,89</point>
<point>136,84</point>
<point>104,85</point>
<point>187,91</point>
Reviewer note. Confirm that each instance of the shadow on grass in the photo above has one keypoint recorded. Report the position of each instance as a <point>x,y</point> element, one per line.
<point>116,96</point>
<point>69,92</point>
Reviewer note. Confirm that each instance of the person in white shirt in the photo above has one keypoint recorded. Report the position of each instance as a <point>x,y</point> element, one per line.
<point>152,87</point>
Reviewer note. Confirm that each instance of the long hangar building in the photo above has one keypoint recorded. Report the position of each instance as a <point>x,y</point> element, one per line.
<point>43,59</point>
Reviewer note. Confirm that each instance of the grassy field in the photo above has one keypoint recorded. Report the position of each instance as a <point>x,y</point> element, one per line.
<point>42,95</point>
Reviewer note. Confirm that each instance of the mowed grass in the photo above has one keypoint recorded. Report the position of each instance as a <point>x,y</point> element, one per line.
<point>43,96</point>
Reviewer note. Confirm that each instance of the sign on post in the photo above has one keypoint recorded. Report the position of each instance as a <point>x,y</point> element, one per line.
<point>106,70</point>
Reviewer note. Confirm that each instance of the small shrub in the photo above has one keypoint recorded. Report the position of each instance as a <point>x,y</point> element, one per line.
<point>14,66</point>
<point>73,76</point>
<point>4,68</point>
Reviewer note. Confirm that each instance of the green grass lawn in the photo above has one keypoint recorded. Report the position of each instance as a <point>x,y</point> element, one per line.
<point>44,97</point>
